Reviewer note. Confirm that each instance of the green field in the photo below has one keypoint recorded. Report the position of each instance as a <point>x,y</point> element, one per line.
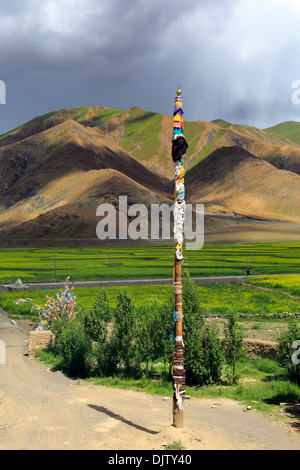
<point>287,284</point>
<point>145,262</point>
<point>244,298</point>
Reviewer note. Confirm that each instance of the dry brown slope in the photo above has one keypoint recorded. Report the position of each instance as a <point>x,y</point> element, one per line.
<point>234,179</point>
<point>71,212</point>
<point>72,166</point>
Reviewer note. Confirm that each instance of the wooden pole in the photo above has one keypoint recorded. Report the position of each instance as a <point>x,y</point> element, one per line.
<point>178,366</point>
<point>179,147</point>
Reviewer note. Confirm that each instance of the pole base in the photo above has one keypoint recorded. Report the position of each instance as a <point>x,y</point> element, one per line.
<point>177,415</point>
<point>178,419</point>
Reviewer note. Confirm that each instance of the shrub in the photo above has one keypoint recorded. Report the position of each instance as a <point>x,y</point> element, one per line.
<point>286,351</point>
<point>203,356</point>
<point>202,346</point>
<point>107,358</point>
<point>155,331</point>
<point>75,347</point>
<point>233,343</point>
<point>124,333</point>
<point>97,318</point>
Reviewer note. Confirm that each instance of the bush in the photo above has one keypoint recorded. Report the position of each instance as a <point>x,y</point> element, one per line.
<point>155,331</point>
<point>233,343</point>
<point>202,346</point>
<point>203,356</point>
<point>107,358</point>
<point>286,353</point>
<point>75,347</point>
<point>124,333</point>
<point>97,318</point>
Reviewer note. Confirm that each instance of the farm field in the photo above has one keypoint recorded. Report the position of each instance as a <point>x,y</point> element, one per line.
<point>145,262</point>
<point>246,298</point>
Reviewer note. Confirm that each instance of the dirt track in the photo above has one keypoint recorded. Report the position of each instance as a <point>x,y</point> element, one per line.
<point>41,410</point>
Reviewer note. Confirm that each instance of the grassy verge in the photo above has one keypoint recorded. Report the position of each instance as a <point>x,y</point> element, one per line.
<point>262,385</point>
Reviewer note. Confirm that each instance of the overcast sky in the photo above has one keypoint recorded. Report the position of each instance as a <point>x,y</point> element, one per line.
<point>233,59</point>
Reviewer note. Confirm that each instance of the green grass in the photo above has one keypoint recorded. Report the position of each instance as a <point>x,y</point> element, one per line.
<point>219,298</point>
<point>103,115</point>
<point>141,133</point>
<point>215,299</point>
<point>143,262</point>
<point>221,123</point>
<point>176,445</point>
<point>262,384</point>
<point>85,298</point>
<point>287,284</point>
<point>289,130</point>
<point>193,132</point>
<point>208,149</point>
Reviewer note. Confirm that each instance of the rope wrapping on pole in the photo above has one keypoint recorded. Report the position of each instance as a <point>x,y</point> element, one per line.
<point>179,148</point>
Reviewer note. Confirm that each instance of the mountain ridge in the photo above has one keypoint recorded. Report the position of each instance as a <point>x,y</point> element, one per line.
<point>60,166</point>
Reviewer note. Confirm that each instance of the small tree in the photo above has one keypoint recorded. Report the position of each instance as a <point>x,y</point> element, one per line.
<point>202,346</point>
<point>146,345</point>
<point>233,343</point>
<point>203,356</point>
<point>163,331</point>
<point>75,347</point>
<point>97,318</point>
<point>124,335</point>
<point>191,302</point>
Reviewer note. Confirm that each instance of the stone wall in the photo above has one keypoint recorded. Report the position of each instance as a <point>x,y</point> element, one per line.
<point>256,348</point>
<point>39,340</point>
<point>260,348</point>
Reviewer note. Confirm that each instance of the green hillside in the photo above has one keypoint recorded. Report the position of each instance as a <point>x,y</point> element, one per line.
<point>146,135</point>
<point>288,130</point>
<point>221,123</point>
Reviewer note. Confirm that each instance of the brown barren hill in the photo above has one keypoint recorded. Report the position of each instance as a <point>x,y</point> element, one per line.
<point>236,181</point>
<point>64,173</point>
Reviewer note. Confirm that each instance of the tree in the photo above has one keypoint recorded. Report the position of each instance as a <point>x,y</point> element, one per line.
<point>202,345</point>
<point>233,343</point>
<point>75,347</point>
<point>146,338</point>
<point>97,318</point>
<point>124,335</point>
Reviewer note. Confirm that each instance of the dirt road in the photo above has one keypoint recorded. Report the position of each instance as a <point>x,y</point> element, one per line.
<point>44,410</point>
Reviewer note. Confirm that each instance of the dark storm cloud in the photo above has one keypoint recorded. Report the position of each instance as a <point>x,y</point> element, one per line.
<point>234,59</point>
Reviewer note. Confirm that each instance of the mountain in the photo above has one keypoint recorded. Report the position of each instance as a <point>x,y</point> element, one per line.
<point>239,183</point>
<point>289,130</point>
<point>146,136</point>
<point>56,169</point>
<point>52,181</point>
